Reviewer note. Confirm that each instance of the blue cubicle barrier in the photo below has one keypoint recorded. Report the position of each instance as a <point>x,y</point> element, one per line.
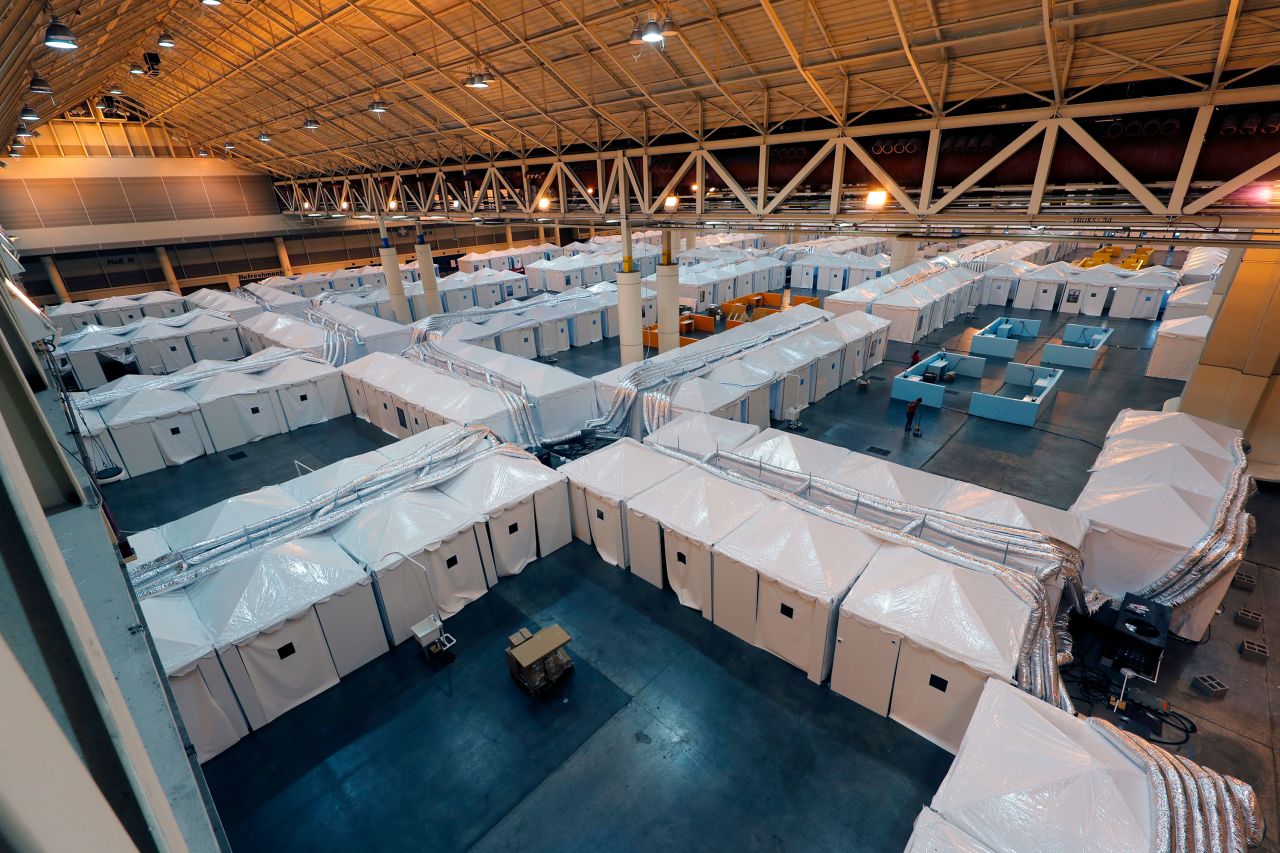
<point>1027,392</point>
<point>914,382</point>
<point>1080,346</point>
<point>1000,338</point>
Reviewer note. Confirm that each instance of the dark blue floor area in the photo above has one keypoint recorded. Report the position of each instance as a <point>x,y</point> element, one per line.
<point>670,734</point>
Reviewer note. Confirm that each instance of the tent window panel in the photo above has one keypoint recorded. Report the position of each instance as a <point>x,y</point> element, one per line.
<point>254,410</point>
<point>681,558</point>
<point>600,514</point>
<point>404,422</point>
<point>787,611</point>
<point>938,683</point>
<point>451,562</point>
<point>512,528</point>
<point>302,398</point>
<point>287,650</point>
<point>175,431</point>
<point>173,349</point>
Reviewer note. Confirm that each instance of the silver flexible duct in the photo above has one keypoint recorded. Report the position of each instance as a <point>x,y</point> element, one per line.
<point>1037,667</point>
<point>175,381</point>
<point>122,332</point>
<point>514,395</point>
<point>1196,809</point>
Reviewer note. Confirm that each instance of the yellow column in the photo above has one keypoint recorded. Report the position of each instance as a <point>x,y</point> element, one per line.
<point>283,254</point>
<point>233,281</point>
<point>167,268</point>
<point>55,278</point>
<point>1236,381</point>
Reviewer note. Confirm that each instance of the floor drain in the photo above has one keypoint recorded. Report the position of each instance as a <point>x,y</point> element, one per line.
<point>237,456</point>
<point>878,451</point>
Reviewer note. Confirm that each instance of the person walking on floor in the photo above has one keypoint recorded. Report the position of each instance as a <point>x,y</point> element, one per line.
<point>912,407</point>
<point>915,358</point>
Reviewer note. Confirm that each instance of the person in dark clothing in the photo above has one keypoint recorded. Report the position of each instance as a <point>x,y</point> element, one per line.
<point>915,358</point>
<point>912,407</point>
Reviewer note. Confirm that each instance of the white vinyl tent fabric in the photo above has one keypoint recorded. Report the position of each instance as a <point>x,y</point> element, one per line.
<point>778,582</point>
<point>672,527</point>
<point>310,391</point>
<point>877,329</point>
<point>226,516</point>
<point>1179,344</point>
<point>280,301</point>
<point>424,551</point>
<point>372,334</point>
<point>784,458</point>
<point>752,381</point>
<point>702,396</point>
<point>1176,428</point>
<point>238,409</point>
<point>602,483</point>
<point>235,306</point>
<point>1190,300</point>
<point>525,506</point>
<point>206,703</point>
<point>932,834</point>
<point>1194,470</point>
<point>919,635</point>
<point>885,479</point>
<point>696,434</point>
<point>288,622</point>
<point>1203,263</point>
<point>1029,776</point>
<point>909,312</point>
<point>154,429</point>
<point>72,316</point>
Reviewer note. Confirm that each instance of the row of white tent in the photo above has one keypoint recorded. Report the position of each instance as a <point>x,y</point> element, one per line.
<point>1153,494</point>
<point>859,244</point>
<point>237,305</point>
<point>268,631</point>
<point>310,284</point>
<point>1190,300</point>
<point>153,428</point>
<point>151,345</point>
<point>1104,290</point>
<point>825,271</point>
<point>882,619</point>
<point>587,268</point>
<point>336,333</point>
<point>776,380</point>
<point>913,305</point>
<point>514,258</point>
<point>714,282</point>
<point>484,288</point>
<point>1029,776</point>
<point>1203,263</point>
<point>115,310</point>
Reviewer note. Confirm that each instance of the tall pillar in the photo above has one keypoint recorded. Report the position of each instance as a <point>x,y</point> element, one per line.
<point>55,278</point>
<point>233,281</point>
<point>630,331</point>
<point>668,298</point>
<point>510,240</point>
<point>283,254</point>
<point>1237,381</point>
<point>690,240</point>
<point>542,234</point>
<point>395,284</point>
<point>427,268</point>
<point>170,277</point>
<point>902,253</point>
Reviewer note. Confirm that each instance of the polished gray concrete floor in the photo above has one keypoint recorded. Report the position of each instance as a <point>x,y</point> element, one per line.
<point>671,732</point>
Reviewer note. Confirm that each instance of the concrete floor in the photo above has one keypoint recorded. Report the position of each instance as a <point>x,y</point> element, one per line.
<point>671,732</point>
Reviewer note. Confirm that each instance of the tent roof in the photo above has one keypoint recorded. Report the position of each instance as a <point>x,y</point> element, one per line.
<point>157,296</point>
<point>406,524</point>
<point>406,447</point>
<point>295,370</point>
<point>792,452</point>
<point>331,476</point>
<point>862,320</point>
<point>699,505</point>
<point>247,596</point>
<point>499,481</point>
<point>227,516</point>
<point>146,404</point>
<point>698,433</point>
<point>1176,427</point>
<point>622,470</point>
<point>809,554</point>
<point>703,395</point>
<point>907,297</point>
<point>985,504</point>
<point>1157,511</point>
<point>226,385</point>
<point>889,480</point>
<point>741,374</point>
<point>1186,327</point>
<point>180,638</point>
<point>71,308</point>
<point>1166,462</point>
<point>1029,776</point>
<point>962,613</point>
<point>932,834</point>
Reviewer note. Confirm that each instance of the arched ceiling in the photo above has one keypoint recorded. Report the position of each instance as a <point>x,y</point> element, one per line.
<point>566,75</point>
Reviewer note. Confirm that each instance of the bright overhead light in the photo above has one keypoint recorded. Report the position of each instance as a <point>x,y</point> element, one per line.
<point>693,187</point>
<point>877,199</point>
<point>59,36</point>
<point>306,205</point>
<point>315,215</point>
<point>668,26</point>
<point>202,153</point>
<point>392,204</point>
<point>311,124</point>
<point>377,105</point>
<point>478,80</point>
<point>455,204</point>
<point>345,204</point>
<point>544,203</point>
<point>115,89</point>
<point>136,70</point>
<point>17,143</point>
<point>22,132</point>
<point>166,39</point>
<point>264,137</point>
<point>39,86</point>
<point>211,2</point>
<point>672,202</point>
<point>228,146</point>
<point>337,216</point>
<point>29,114</point>
<point>652,33</point>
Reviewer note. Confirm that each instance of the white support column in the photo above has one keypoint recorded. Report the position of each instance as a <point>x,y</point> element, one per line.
<point>167,268</point>
<point>283,254</point>
<point>427,268</point>
<point>510,240</point>
<point>668,297</point>
<point>395,284</point>
<point>902,253</point>
<point>630,326</point>
<point>55,278</point>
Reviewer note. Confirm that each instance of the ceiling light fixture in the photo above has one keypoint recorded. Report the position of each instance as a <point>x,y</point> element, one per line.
<point>22,132</point>
<point>672,202</point>
<point>28,114</point>
<point>17,144</point>
<point>211,2</point>
<point>636,35</point>
<point>228,146</point>
<point>136,70</point>
<point>59,36</point>
<point>652,32</point>
<point>264,137</point>
<point>311,124</point>
<point>165,39</point>
<point>544,203</point>
<point>39,86</point>
<point>306,205</point>
<point>669,26</point>
<point>115,89</point>
<point>393,204</point>
<point>377,105</point>
<point>345,204</point>
<point>202,153</point>
<point>877,199</point>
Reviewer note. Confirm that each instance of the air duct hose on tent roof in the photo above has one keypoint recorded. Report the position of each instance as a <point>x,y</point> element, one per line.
<point>174,381</point>
<point>1037,671</point>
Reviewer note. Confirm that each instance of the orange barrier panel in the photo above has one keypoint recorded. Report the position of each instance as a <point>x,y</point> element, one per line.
<point>704,323</point>
<point>773,300</point>
<point>729,324</point>
<point>764,312</point>
<point>684,342</point>
<point>806,300</point>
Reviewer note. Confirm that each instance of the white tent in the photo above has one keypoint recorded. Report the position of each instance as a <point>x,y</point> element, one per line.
<point>333,476</point>
<point>280,301</point>
<point>310,391</point>
<point>525,506</point>
<point>985,504</point>
<point>238,408</point>
<point>1190,300</point>
<point>374,334</point>
<point>1166,462</point>
<point>1040,289</point>
<point>918,636</point>
<point>1177,427</point>
<point>601,484</point>
<point>696,434</point>
<point>1203,263</point>
<point>153,429</point>
<point>997,284</point>
<point>885,479</point>
<point>93,352</point>
<point>1140,297</point>
<point>118,311</point>
<point>858,299</point>
<point>909,312</point>
<point>784,458</point>
<point>674,525</point>
<point>161,303</point>
<point>206,703</point>
<point>778,583</point>
<point>552,331</point>
<point>876,329</point>
<point>754,381</point>
<point>234,305</point>
<point>288,622</point>
<point>696,394</point>
<point>160,348</point>
<point>1029,776</point>
<point>514,335</point>
<point>226,516</point>
<point>792,376</point>
<point>932,834</point>
<point>824,347</point>
<point>457,293</point>
<point>72,316</point>
<point>213,337</point>
<point>425,552</point>
<point>1178,346</point>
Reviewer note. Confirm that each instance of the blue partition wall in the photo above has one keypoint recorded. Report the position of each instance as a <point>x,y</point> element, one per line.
<point>1026,394</point>
<point>1080,346</point>
<point>1000,338</point>
<point>910,383</point>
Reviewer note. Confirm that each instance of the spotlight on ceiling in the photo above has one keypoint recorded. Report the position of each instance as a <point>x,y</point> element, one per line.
<point>17,144</point>
<point>672,202</point>
<point>202,153</point>
<point>136,70</point>
<point>165,39</point>
<point>211,2</point>
<point>115,89</point>
<point>377,105</point>
<point>393,204</point>
<point>28,113</point>
<point>264,137</point>
<point>306,205</point>
<point>345,204</point>
<point>668,26</point>
<point>228,146</point>
<point>22,132</point>
<point>652,32</point>
<point>311,124</point>
<point>478,80</point>
<point>59,36</point>
<point>636,36</point>
<point>39,86</point>
<point>544,203</point>
<point>877,199</point>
